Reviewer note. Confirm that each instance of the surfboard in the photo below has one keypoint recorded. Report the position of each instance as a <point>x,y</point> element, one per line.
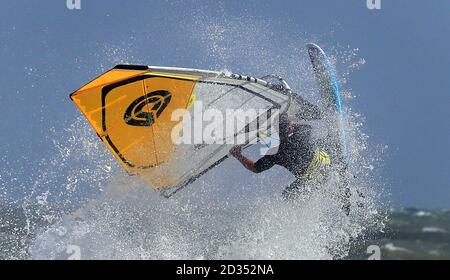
<point>330,94</point>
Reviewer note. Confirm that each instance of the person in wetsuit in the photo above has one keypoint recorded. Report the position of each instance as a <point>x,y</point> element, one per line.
<point>296,153</point>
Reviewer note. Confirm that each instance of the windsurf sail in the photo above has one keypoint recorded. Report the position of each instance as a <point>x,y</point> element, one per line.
<point>132,109</point>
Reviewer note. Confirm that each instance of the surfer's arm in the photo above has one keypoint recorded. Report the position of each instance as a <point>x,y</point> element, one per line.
<point>264,163</point>
<point>248,163</point>
<point>236,152</point>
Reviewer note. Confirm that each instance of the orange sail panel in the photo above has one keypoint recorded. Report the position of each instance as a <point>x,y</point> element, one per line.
<point>131,111</point>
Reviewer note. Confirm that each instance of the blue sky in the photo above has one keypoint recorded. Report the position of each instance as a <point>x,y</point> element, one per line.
<point>403,90</point>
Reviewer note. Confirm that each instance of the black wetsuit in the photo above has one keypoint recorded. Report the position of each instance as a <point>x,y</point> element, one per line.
<point>298,155</point>
<point>294,153</point>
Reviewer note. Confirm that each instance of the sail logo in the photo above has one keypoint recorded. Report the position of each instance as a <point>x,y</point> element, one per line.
<point>73,4</point>
<point>146,109</point>
<point>374,4</point>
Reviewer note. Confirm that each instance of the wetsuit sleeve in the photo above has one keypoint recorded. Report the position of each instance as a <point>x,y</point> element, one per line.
<point>265,163</point>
